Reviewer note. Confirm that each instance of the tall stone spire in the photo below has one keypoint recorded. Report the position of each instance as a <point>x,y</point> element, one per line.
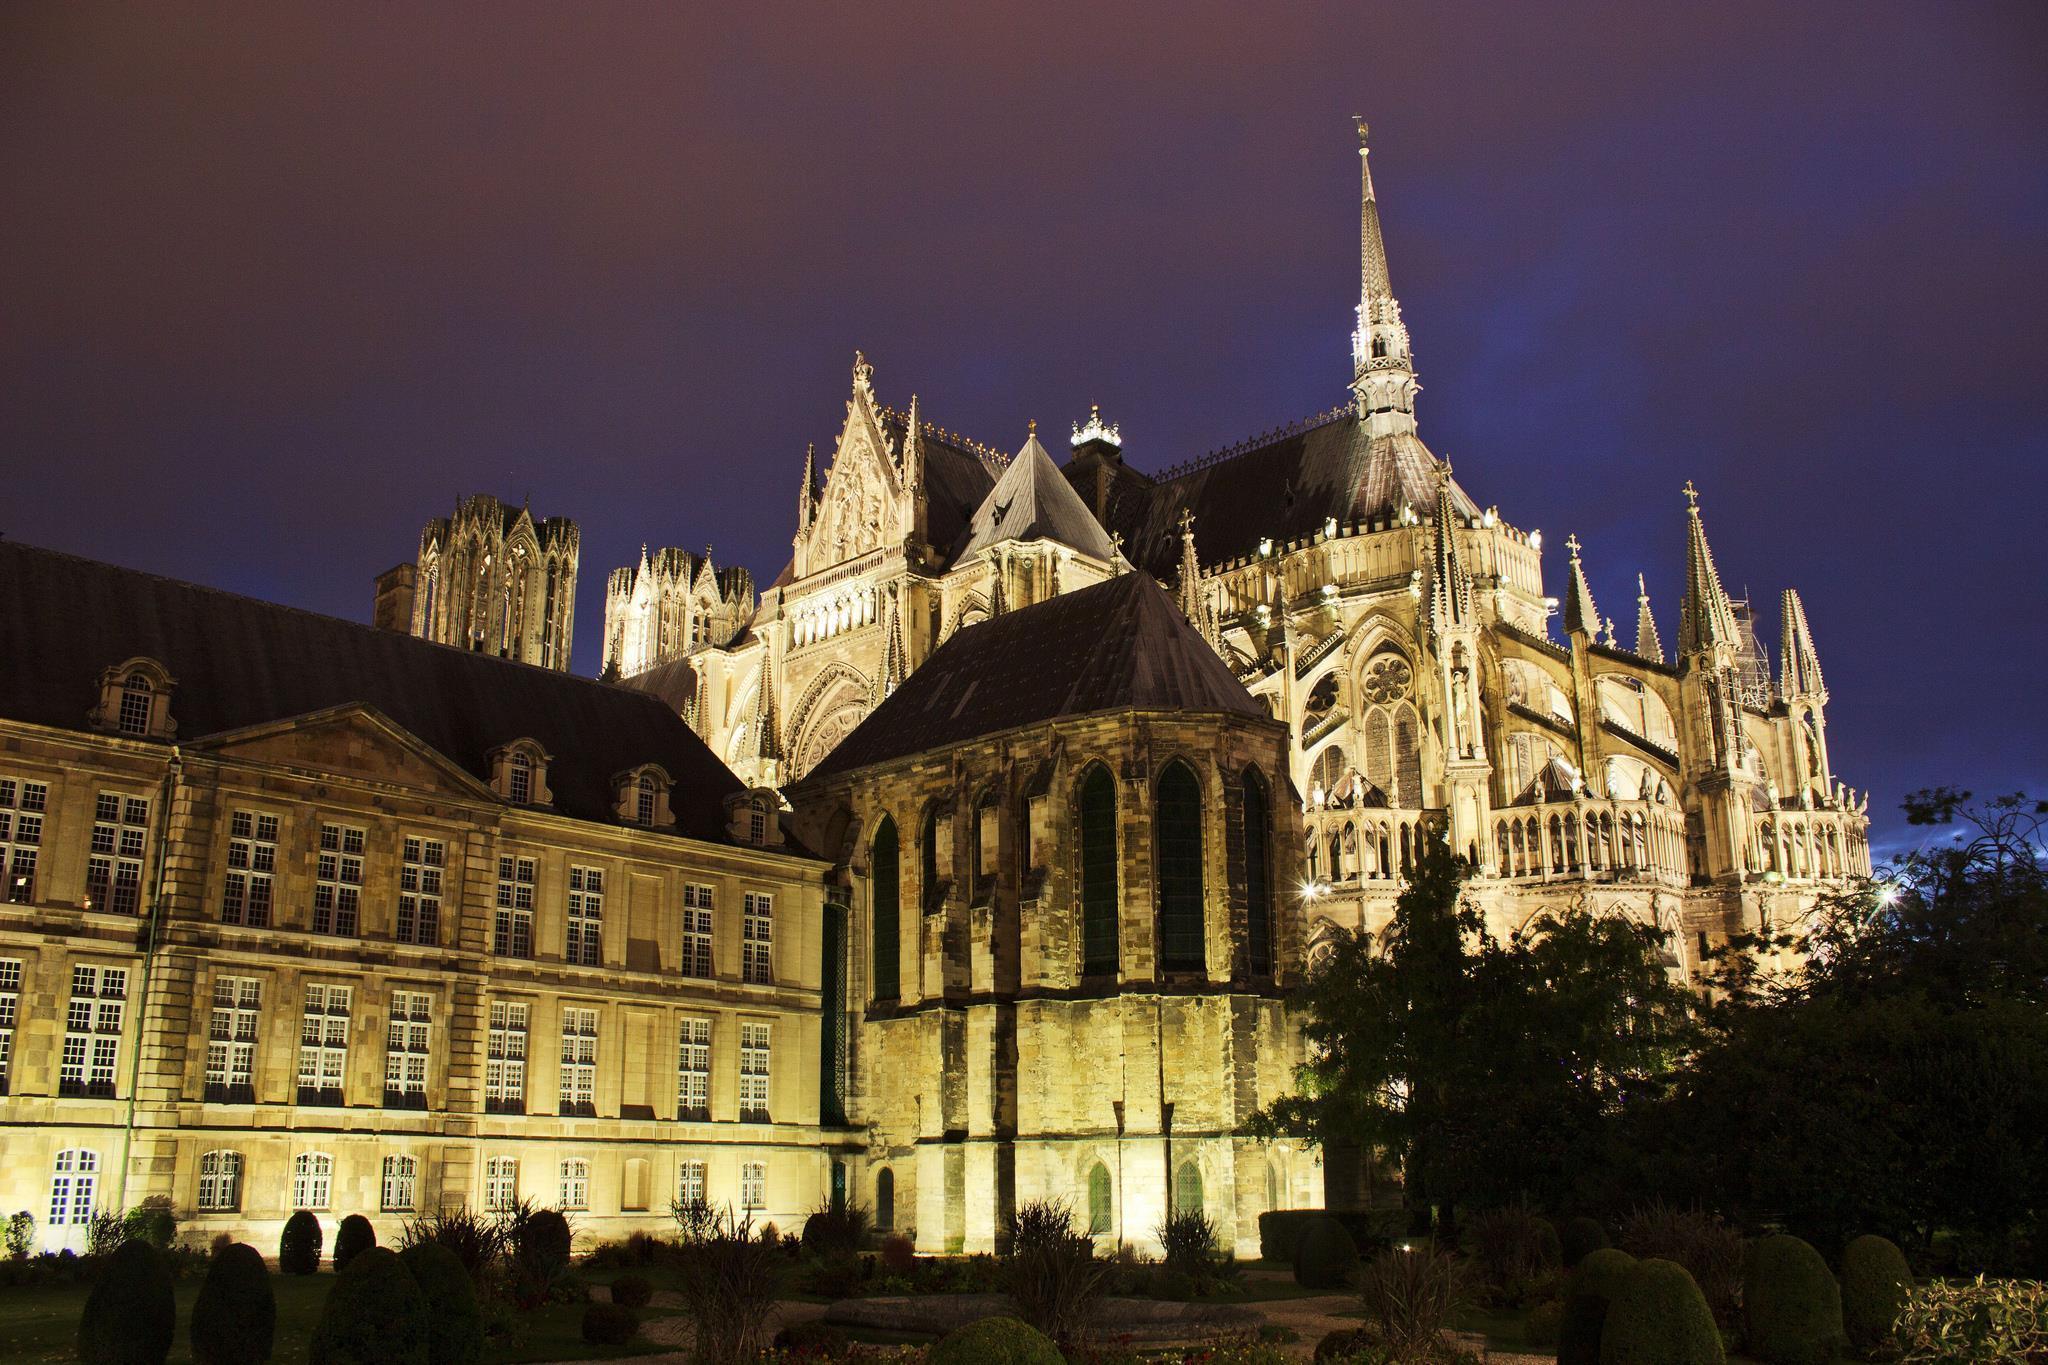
<point>1799,666</point>
<point>807,498</point>
<point>1383,368</point>
<point>893,667</point>
<point>1580,615</point>
<point>1705,619</point>
<point>1193,604</point>
<point>766,744</point>
<point>1648,645</point>
<point>1450,583</point>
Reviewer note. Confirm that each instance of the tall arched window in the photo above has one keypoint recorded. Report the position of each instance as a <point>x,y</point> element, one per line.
<point>74,1180</point>
<point>1180,869</point>
<point>137,697</point>
<point>220,1181</point>
<point>1258,878</point>
<point>1097,821</point>
<point>1098,1200</point>
<point>886,871</point>
<point>1187,1188</point>
<point>885,1199</point>
<point>928,860</point>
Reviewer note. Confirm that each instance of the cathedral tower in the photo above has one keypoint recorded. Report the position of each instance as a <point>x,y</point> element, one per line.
<point>493,580</point>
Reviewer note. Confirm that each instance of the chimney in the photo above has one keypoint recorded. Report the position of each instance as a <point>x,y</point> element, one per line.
<point>394,599</point>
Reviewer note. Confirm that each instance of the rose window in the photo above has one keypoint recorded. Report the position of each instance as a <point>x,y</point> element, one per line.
<point>1387,679</point>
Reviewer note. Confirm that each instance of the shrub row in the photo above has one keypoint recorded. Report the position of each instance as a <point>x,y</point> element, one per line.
<point>1372,1230</point>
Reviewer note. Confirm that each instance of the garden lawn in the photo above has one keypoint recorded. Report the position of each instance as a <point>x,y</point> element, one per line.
<point>39,1325</point>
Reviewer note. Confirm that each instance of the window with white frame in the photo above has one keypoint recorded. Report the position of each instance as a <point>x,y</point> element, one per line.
<point>220,1182</point>
<point>505,1058</point>
<point>323,1044</point>
<point>401,1180</point>
<point>92,1031</point>
<point>338,884</point>
<point>575,1184</point>
<point>696,959</point>
<point>245,896</point>
<point>407,1039</point>
<point>579,1060</point>
<point>586,916</point>
<point>643,800</point>
<point>74,1180</point>
<point>113,872</point>
<point>753,1184</point>
<point>692,1187</point>
<point>757,825</point>
<point>693,1070</point>
<point>501,1183</point>
<point>754,1056</point>
<point>231,1039</point>
<point>757,936</point>
<point>312,1180</point>
<point>137,697</point>
<point>419,890</point>
<point>22,805</point>
<point>520,778</point>
<point>10,1006</point>
<point>512,932</point>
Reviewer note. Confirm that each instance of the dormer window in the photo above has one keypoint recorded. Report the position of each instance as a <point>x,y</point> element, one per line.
<point>642,797</point>
<point>135,700</point>
<point>754,818</point>
<point>519,773</point>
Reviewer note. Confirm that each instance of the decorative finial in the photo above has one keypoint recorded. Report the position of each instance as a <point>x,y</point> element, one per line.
<point>1031,426</point>
<point>1692,495</point>
<point>1571,543</point>
<point>1642,591</point>
<point>1443,470</point>
<point>1187,522</point>
<point>1363,131</point>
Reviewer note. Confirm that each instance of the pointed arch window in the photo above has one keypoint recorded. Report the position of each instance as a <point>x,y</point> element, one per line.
<point>930,885</point>
<point>1187,1188</point>
<point>1179,824</point>
<point>886,874</point>
<point>1098,1200</point>
<point>1258,875</point>
<point>1097,822</point>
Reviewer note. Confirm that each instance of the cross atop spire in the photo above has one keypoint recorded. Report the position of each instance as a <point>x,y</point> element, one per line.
<point>1580,615</point>
<point>1692,495</point>
<point>1383,370</point>
<point>1705,619</point>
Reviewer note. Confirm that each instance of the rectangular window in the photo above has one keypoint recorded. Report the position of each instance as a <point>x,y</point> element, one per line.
<point>501,1184</point>
<point>10,1006</point>
<point>579,1061</point>
<point>586,915</point>
<point>338,885</point>
<point>696,959</point>
<point>575,1184</point>
<point>691,1186</point>
<point>220,1182</point>
<point>312,1180</point>
<point>512,933</point>
<point>754,1072</point>
<point>643,802</point>
<point>231,1039</point>
<point>419,890</point>
<point>406,1042</point>
<point>693,1070</point>
<point>757,936</point>
<point>505,1058</point>
<point>21,836</point>
<point>113,872</point>
<point>753,1184</point>
<point>252,868</point>
<point>92,1031</point>
<point>323,1044</point>
<point>401,1178</point>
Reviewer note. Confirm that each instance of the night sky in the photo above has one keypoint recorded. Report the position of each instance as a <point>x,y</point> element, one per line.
<point>277,285</point>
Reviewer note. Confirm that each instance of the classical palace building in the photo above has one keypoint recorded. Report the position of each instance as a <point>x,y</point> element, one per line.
<point>969,861</point>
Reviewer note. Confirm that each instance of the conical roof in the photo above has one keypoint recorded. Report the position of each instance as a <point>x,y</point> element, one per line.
<point>1033,501</point>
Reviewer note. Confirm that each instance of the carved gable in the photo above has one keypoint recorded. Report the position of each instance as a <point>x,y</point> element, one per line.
<point>353,742</point>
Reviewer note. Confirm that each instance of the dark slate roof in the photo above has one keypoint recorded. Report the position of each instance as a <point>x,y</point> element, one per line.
<point>1284,488</point>
<point>1032,502</point>
<point>239,662</point>
<point>955,482</point>
<point>1120,644</point>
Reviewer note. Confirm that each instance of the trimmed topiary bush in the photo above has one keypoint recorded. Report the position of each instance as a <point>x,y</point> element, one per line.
<point>609,1324</point>
<point>1579,1237</point>
<point>352,1239</point>
<point>298,1250</point>
<point>1543,1324</point>
<point>1659,1317</point>
<point>234,1319</point>
<point>1875,1282</point>
<point>1791,1305</point>
<point>130,1316</point>
<point>633,1291</point>
<point>455,1326</point>
<point>1326,1257</point>
<point>1587,1295</point>
<point>995,1341</point>
<point>375,1315</point>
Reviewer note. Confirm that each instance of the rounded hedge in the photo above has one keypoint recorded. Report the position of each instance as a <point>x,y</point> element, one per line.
<point>1579,1238</point>
<point>131,1314</point>
<point>544,1239</point>
<point>1588,1293</point>
<point>1875,1280</point>
<point>633,1291</point>
<point>455,1324</point>
<point>234,1319</point>
<point>609,1324</point>
<point>298,1250</point>
<point>374,1315</point>
<point>1659,1317</point>
<point>995,1341</point>
<point>1791,1305</point>
<point>1326,1257</point>
<point>354,1237</point>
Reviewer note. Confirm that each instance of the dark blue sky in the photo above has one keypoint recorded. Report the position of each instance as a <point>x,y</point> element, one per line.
<point>277,284</point>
